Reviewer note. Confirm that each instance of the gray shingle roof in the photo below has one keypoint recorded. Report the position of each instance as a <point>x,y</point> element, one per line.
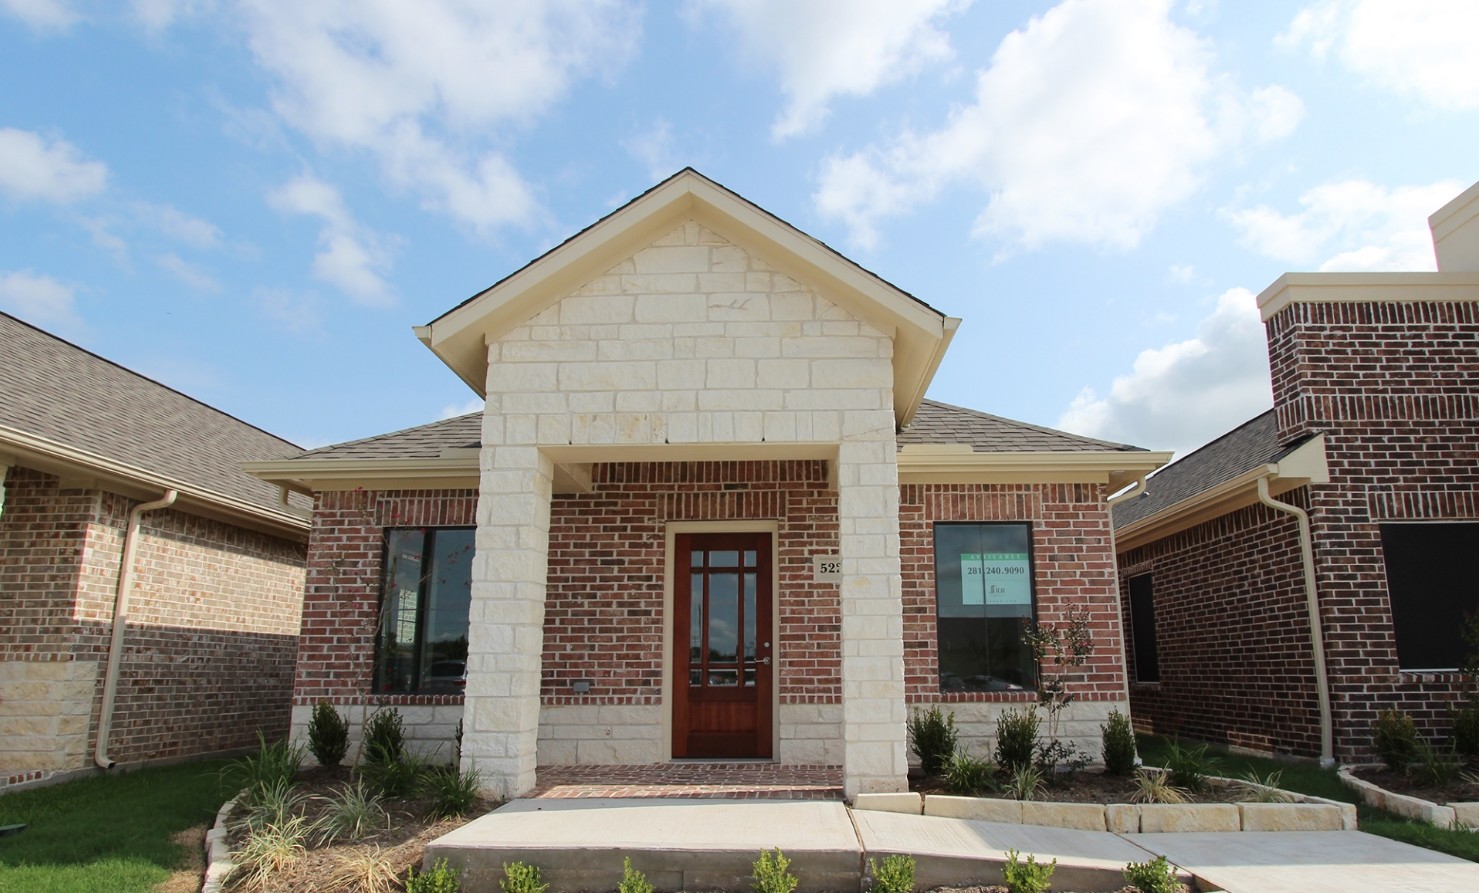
<point>935,423</point>
<point>1244,448</point>
<point>52,389</point>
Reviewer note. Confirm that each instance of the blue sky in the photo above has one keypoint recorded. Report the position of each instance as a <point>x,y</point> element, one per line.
<point>254,202</point>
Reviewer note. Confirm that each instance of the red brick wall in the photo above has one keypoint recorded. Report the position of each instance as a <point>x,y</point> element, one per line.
<point>1073,564</point>
<point>1395,386</point>
<point>42,532</point>
<point>1232,634</point>
<point>604,606</point>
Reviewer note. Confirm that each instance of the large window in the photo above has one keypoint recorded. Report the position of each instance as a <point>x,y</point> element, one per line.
<point>1433,582</point>
<point>984,595</point>
<point>1142,629</point>
<point>422,645</point>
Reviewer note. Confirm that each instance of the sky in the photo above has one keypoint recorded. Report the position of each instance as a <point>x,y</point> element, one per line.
<point>253,202</point>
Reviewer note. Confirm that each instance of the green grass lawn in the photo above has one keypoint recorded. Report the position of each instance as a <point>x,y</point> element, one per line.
<point>1306,778</point>
<point>109,834</point>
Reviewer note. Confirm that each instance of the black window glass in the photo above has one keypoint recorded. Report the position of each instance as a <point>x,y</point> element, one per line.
<point>985,601</point>
<point>1142,629</point>
<point>427,590</point>
<point>1433,582</point>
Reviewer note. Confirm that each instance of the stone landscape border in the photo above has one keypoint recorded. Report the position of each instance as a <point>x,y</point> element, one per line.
<point>218,862</point>
<point>1453,815</point>
<point>1306,813</point>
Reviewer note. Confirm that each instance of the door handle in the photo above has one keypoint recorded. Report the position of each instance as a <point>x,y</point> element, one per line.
<point>764,660</point>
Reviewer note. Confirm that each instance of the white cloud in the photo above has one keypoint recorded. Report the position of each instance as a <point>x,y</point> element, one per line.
<point>822,49</point>
<point>297,312</point>
<point>158,15</point>
<point>33,168</point>
<point>653,147</point>
<point>43,15</point>
<point>351,258</point>
<point>425,87</point>
<point>1349,226</point>
<point>190,274</point>
<point>178,225</point>
<point>453,410</point>
<point>1088,124</point>
<point>39,300</point>
<point>1183,394</point>
<point>1423,50</point>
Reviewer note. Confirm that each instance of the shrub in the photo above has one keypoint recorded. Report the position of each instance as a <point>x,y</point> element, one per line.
<point>401,777</point>
<point>328,735</point>
<point>632,880</point>
<point>1156,787</point>
<point>385,736</point>
<point>351,812</point>
<point>1027,877</point>
<point>967,775</point>
<point>1394,738</point>
<point>1025,783</point>
<point>361,871</point>
<point>452,791</point>
<point>1119,744</point>
<point>521,877</point>
<point>1466,731</point>
<point>272,805</point>
<point>267,850</point>
<point>1263,788</point>
<point>932,736</point>
<point>771,874</point>
<point>273,765</point>
<point>1189,767</point>
<point>1434,767</point>
<point>440,879</point>
<point>1016,738</point>
<point>894,875</point>
<point>1152,876</point>
<point>1058,759</point>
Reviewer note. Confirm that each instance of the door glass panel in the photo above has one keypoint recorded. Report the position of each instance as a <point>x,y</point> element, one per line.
<point>749,616</point>
<point>749,677</point>
<point>696,558</point>
<point>723,559</point>
<point>750,558</point>
<point>723,678</point>
<point>724,618</point>
<point>696,621</point>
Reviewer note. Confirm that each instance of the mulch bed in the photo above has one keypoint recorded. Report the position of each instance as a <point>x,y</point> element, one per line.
<point>1401,783</point>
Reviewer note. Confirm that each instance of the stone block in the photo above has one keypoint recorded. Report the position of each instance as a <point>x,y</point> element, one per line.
<point>1122,818</point>
<point>1290,817</point>
<point>907,802</point>
<point>981,809</point>
<point>1189,817</point>
<point>1079,816</point>
<point>1466,814</point>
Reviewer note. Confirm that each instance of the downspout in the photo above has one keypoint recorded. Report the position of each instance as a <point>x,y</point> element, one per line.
<point>1136,489</point>
<point>120,617</point>
<point>4,470</point>
<point>1312,602</point>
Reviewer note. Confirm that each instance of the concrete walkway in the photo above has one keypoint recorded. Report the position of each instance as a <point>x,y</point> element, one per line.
<point>711,844</point>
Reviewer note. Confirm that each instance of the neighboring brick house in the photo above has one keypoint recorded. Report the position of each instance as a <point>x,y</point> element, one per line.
<point>211,592</point>
<point>706,512</point>
<point>1374,435</point>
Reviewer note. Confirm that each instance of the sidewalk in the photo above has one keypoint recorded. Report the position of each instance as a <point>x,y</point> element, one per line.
<point>711,844</point>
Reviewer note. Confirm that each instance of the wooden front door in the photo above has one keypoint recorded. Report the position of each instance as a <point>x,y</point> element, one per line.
<point>722,670</point>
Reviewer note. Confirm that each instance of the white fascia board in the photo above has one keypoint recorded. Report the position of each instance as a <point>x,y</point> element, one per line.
<point>957,464</point>
<point>313,475</point>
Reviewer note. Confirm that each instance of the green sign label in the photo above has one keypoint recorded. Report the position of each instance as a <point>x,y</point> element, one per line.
<point>995,578</point>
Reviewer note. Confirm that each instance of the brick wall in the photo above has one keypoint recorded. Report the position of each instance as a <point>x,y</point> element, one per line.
<point>210,638</point>
<point>1233,634</point>
<point>1395,386</point>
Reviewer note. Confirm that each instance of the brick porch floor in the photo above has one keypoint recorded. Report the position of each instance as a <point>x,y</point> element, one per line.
<point>693,780</point>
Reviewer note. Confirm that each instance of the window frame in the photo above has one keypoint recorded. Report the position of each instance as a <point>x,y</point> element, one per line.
<point>429,535</point>
<point>1030,665</point>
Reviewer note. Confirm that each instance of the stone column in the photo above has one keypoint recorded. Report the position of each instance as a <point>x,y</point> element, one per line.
<point>875,758</point>
<point>506,617</point>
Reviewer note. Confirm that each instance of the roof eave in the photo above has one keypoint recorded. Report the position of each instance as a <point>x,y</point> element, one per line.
<point>310,476</point>
<point>949,464</point>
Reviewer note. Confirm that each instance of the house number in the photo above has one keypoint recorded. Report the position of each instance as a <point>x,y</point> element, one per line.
<point>826,568</point>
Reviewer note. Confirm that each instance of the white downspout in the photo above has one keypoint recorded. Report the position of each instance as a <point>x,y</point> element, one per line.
<point>4,470</point>
<point>1136,489</point>
<point>1312,602</point>
<point>120,617</point>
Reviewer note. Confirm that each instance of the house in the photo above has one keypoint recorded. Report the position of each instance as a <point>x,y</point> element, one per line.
<point>707,513</point>
<point>149,589</point>
<point>1316,565</point>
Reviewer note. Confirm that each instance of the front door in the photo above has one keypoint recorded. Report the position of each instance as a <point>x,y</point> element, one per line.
<point>722,645</point>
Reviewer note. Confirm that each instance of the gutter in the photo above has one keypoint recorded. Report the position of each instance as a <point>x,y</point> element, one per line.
<point>1312,604</point>
<point>120,618</point>
<point>4,470</point>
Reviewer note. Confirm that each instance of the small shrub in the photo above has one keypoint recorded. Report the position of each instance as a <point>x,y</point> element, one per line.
<point>328,735</point>
<point>521,877</point>
<point>772,874</point>
<point>385,736</point>
<point>1434,767</point>
<point>932,737</point>
<point>442,878</point>
<point>1189,767</point>
<point>452,791</point>
<point>1156,787</point>
<point>1394,737</point>
<point>273,805</point>
<point>1263,789</point>
<point>967,775</point>
<point>1016,738</point>
<point>1466,731</point>
<point>401,777</point>
<point>1119,744</point>
<point>361,871</point>
<point>895,874</point>
<point>1024,784</point>
<point>272,765</point>
<point>1152,876</point>
<point>632,880</point>
<point>351,813</point>
<point>268,850</point>
<point>1027,877</point>
<point>1057,760</point>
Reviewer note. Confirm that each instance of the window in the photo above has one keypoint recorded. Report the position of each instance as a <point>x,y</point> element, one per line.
<point>422,646</point>
<point>1433,583</point>
<point>984,596</point>
<point>1142,629</point>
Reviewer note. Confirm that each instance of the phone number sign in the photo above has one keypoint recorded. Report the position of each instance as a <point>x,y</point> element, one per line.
<point>995,578</point>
